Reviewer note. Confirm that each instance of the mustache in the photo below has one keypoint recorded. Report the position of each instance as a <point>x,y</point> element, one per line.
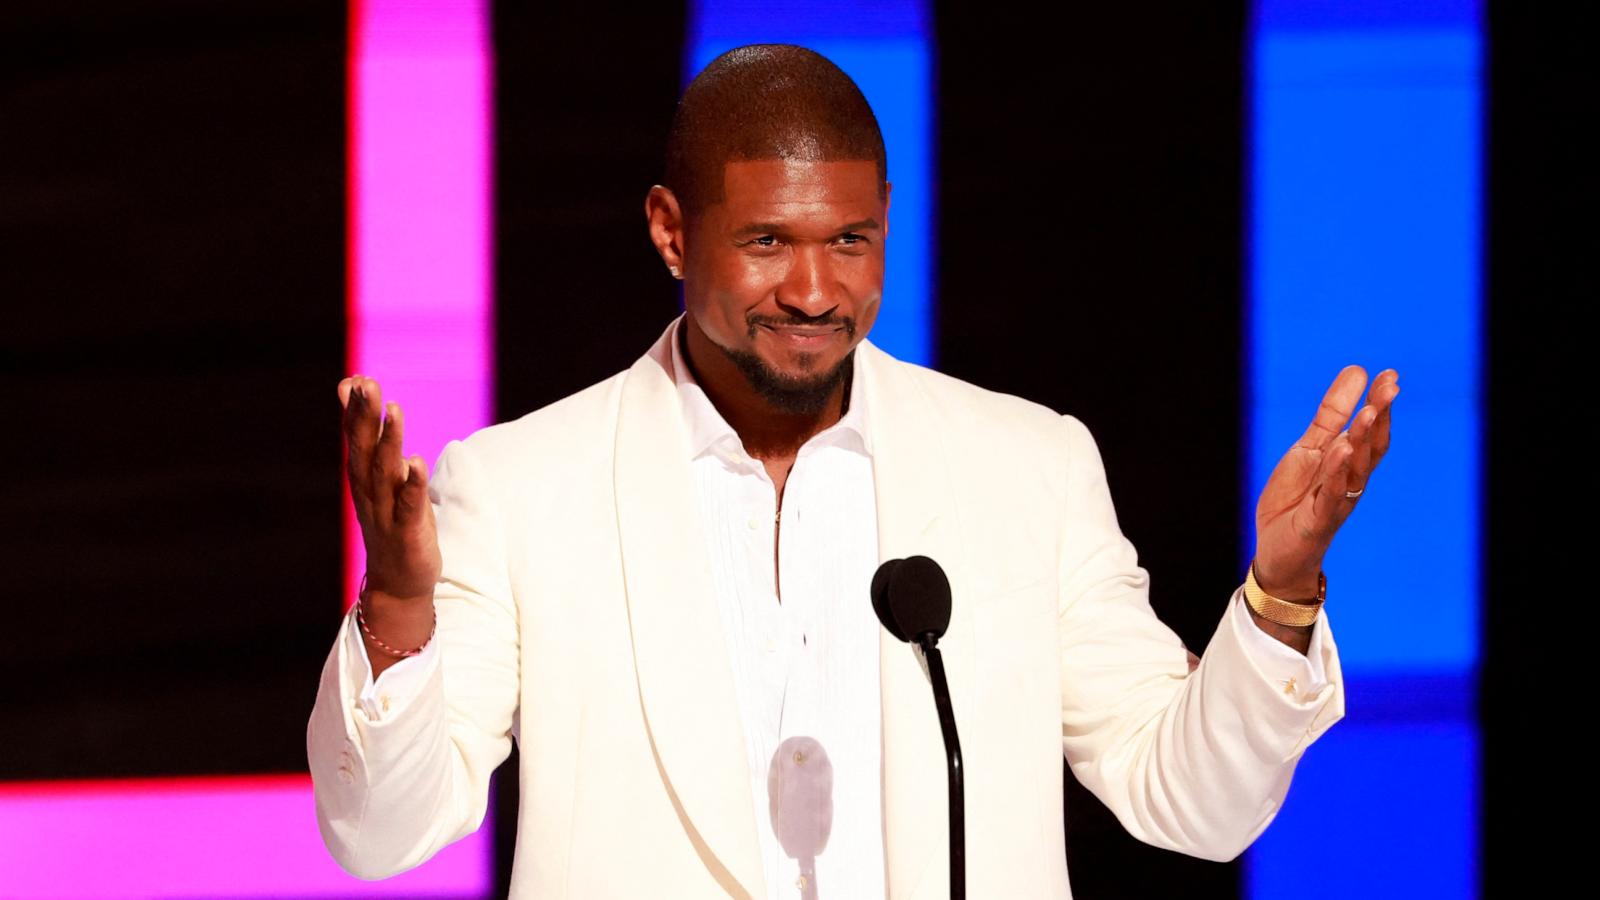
<point>845,323</point>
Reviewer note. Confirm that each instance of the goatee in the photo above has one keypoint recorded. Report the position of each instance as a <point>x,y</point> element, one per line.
<point>802,396</point>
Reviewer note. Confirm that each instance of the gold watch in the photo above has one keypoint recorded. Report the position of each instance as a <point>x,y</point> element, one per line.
<point>1284,612</point>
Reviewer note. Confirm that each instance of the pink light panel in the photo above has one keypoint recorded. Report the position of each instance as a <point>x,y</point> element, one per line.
<point>420,306</point>
<point>191,837</point>
<point>419,302</point>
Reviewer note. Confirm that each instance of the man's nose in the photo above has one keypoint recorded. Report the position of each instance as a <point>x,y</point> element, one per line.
<point>808,287</point>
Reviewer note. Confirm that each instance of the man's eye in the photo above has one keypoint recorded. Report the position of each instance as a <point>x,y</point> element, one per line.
<point>850,237</point>
<point>765,240</point>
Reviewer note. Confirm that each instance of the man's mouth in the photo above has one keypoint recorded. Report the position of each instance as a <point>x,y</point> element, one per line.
<point>803,337</point>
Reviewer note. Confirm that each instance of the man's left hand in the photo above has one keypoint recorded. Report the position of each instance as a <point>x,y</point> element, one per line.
<point>1308,496</point>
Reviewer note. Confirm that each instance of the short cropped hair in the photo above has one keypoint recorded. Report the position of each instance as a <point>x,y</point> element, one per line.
<point>766,101</point>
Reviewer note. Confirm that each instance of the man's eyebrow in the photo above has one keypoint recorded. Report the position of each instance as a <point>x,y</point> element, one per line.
<point>762,228</point>
<point>776,228</point>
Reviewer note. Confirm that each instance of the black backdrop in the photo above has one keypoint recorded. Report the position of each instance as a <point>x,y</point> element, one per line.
<point>1090,201</point>
<point>1542,244</point>
<point>171,227</point>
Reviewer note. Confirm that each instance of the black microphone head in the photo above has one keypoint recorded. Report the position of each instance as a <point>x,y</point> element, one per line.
<point>919,598</point>
<point>880,597</point>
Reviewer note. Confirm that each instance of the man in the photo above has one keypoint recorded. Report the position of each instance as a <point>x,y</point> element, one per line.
<point>659,586</point>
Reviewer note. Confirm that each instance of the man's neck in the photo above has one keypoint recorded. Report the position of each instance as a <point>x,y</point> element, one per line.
<point>766,431</point>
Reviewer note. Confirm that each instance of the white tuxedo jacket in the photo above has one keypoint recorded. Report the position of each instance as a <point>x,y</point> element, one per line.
<point>576,614</point>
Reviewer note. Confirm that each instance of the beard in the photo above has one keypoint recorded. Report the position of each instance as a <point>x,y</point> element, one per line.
<point>804,395</point>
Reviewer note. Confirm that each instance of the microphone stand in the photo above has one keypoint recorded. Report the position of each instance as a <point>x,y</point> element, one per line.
<point>952,748</point>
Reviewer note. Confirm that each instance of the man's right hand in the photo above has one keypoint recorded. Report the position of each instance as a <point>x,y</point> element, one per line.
<point>390,493</point>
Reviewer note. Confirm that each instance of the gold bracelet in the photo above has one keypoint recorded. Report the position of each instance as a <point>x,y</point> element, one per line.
<point>1283,612</point>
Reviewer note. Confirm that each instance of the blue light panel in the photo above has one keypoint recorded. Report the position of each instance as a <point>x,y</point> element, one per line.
<point>1365,244</point>
<point>1379,811</point>
<point>1364,239</point>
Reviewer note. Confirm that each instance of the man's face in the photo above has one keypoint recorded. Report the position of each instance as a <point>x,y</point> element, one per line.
<point>786,273</point>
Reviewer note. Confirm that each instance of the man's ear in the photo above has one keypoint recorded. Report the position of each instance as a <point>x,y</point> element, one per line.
<point>888,188</point>
<point>664,218</point>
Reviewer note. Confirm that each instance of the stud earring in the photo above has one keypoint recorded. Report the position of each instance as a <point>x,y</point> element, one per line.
<point>675,271</point>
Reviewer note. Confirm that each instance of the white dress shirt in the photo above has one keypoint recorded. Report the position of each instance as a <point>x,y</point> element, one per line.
<point>803,640</point>
<point>806,667</point>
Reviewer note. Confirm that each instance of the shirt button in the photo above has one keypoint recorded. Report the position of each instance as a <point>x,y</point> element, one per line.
<point>753,523</point>
<point>385,701</point>
<point>772,645</point>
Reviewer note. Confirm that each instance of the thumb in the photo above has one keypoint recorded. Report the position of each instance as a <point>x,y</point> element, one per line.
<point>1290,482</point>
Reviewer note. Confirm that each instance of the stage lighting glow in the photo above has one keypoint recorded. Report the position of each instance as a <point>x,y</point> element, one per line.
<point>1365,220</point>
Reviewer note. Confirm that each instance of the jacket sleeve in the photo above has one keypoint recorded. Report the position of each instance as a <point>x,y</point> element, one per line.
<point>394,786</point>
<point>1192,755</point>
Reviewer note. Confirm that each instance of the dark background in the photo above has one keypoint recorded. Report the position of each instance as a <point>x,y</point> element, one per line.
<point>1542,245</point>
<point>172,228</point>
<point>172,233</point>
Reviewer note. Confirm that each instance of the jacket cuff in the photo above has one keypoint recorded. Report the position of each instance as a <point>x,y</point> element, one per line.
<point>398,684</point>
<point>1289,720</point>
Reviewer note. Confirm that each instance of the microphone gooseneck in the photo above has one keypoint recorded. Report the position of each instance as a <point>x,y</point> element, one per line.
<point>912,599</point>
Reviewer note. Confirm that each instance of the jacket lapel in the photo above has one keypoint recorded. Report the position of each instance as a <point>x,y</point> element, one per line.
<point>917,514</point>
<point>685,676</point>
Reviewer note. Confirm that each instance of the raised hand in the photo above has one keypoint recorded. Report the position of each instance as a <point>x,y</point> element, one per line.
<point>390,493</point>
<point>1309,493</point>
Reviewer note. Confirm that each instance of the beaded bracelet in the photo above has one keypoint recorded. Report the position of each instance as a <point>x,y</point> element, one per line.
<point>361,619</point>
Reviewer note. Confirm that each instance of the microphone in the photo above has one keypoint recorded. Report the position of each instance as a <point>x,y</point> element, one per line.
<point>912,599</point>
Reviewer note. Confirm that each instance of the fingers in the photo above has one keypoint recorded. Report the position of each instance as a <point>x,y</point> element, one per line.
<point>387,486</point>
<point>362,425</point>
<point>1361,460</point>
<point>1337,405</point>
<point>412,496</point>
<point>388,465</point>
<point>376,467</point>
<point>1369,433</point>
<point>1382,395</point>
<point>1329,505</point>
